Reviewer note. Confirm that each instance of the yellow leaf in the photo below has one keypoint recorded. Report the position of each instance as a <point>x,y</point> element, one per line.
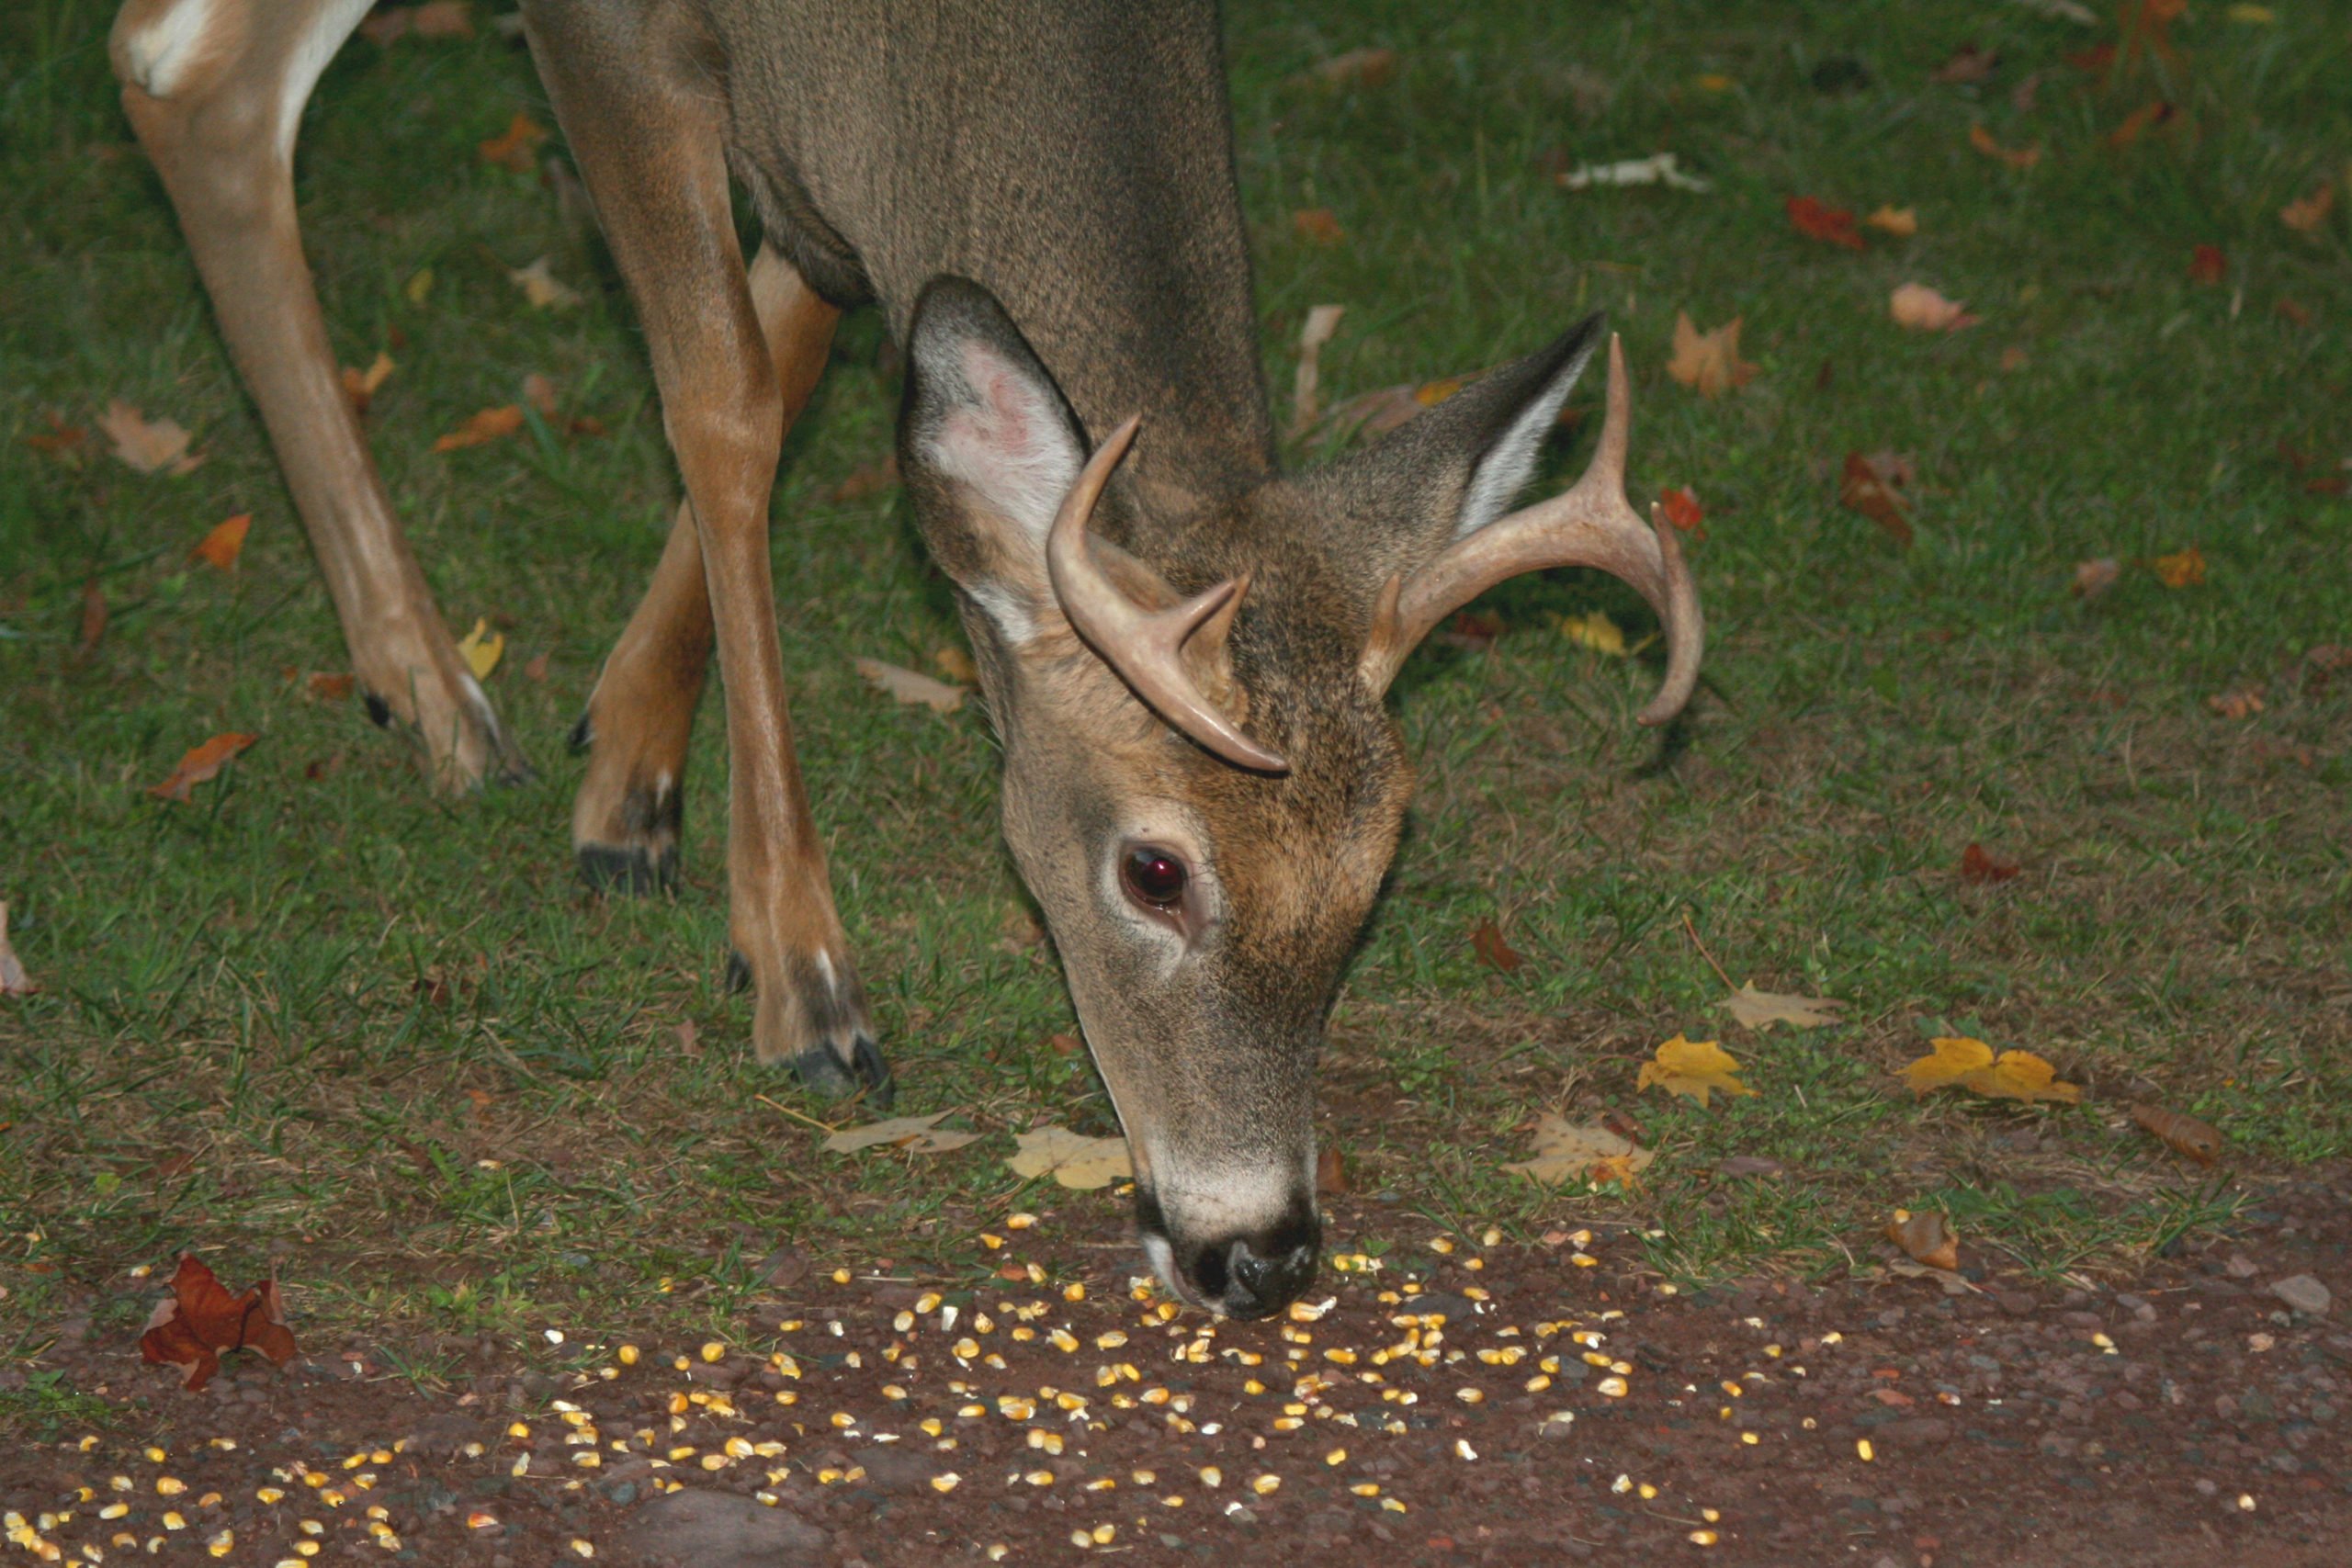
<point>1900,221</point>
<point>1954,1058</point>
<point>221,547</point>
<point>1692,1068</point>
<point>2254,16</point>
<point>1564,1153</point>
<point>2021,1075</point>
<point>481,649</point>
<point>419,288</point>
<point>1762,1010</point>
<point>1595,631</point>
<point>2185,569</point>
<point>1709,363</point>
<point>1070,1158</point>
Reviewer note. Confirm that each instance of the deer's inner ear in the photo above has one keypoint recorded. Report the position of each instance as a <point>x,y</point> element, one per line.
<point>989,447</point>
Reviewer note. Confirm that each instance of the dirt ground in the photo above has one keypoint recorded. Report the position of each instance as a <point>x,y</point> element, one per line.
<point>1486,1404</point>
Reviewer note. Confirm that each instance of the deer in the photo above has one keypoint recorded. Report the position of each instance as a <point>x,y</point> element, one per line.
<point>1184,650</point>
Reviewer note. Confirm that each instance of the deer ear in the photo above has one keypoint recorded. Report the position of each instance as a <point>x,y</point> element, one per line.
<point>989,449</point>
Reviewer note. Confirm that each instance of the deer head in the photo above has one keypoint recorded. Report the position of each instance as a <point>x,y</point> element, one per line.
<point>1202,785</point>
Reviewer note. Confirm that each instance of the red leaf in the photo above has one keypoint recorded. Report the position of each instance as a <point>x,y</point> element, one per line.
<point>1818,219</point>
<point>1318,225</point>
<point>1682,508</point>
<point>221,547</point>
<point>203,762</point>
<point>1977,866</point>
<point>1487,941</point>
<point>200,1320</point>
<point>2207,264</point>
<point>1861,488</point>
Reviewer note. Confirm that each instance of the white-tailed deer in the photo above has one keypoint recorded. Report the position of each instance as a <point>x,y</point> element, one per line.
<point>1184,650</point>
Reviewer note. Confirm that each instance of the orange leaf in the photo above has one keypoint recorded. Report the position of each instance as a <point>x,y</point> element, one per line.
<point>514,148</point>
<point>2136,124</point>
<point>2015,157</point>
<point>2186,1135</point>
<point>485,427</point>
<point>2207,264</point>
<point>221,547</point>
<point>1816,219</point>
<point>200,1320</point>
<point>1922,309</point>
<point>2184,568</point>
<point>1356,68</point>
<point>1900,221</point>
<point>62,440</point>
<point>1682,508</point>
<point>1977,866</point>
<point>1929,1239</point>
<point>1318,225</point>
<point>1861,490</point>
<point>2240,702</point>
<point>2021,1075</point>
<point>1331,1170</point>
<point>1487,941</point>
<point>201,763</point>
<point>2305,216</point>
<point>1968,63</point>
<point>324,687</point>
<point>359,386</point>
<point>1708,363</point>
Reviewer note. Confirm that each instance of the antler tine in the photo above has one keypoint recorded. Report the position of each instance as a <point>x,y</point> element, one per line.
<point>1146,647</point>
<point>1591,524</point>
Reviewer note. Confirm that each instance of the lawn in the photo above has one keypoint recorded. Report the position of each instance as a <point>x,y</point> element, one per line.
<point>320,1020</point>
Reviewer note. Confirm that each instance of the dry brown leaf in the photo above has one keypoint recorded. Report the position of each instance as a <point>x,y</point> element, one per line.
<point>95,615</point>
<point>359,387</point>
<point>1708,363</point>
<point>542,288</point>
<point>1692,1068</point>
<point>1332,1172</point>
<point>64,441</point>
<point>1356,68</point>
<point>956,665</point>
<point>13,981</point>
<point>1922,309</point>
<point>1306,398</point>
<point>325,687</point>
<point>1861,488</point>
<point>2304,216</point>
<point>482,428</point>
<point>913,1134</point>
<point>224,544</point>
<point>2207,264</point>
<point>2239,701</point>
<point>1977,866</point>
<point>1929,1239</point>
<point>443,18</point>
<point>2183,568</point>
<point>1070,1158</point>
<point>517,146</point>
<point>2096,576</point>
<point>2185,1135</point>
<point>912,685</point>
<point>1955,1283</point>
<point>1900,221</point>
<point>1486,942</point>
<point>149,446</point>
<point>1567,1152</point>
<point>538,390</point>
<point>1318,225</point>
<point>2015,157</point>
<point>536,667</point>
<point>201,763</point>
<point>1762,1010</point>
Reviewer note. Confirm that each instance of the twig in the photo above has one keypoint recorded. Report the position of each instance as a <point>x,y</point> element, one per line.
<point>1693,933</point>
<point>796,1116</point>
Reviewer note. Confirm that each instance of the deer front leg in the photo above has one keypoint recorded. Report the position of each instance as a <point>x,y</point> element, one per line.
<point>625,818</point>
<point>650,149</point>
<point>214,90</point>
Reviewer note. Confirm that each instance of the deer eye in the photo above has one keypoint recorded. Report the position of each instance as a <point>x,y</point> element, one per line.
<point>1154,877</point>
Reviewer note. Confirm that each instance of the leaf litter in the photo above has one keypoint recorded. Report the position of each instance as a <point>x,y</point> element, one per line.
<point>200,1322</point>
<point>1072,1158</point>
<point>1973,1064</point>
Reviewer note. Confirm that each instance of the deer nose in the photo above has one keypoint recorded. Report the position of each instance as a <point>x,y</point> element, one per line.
<point>1257,1276</point>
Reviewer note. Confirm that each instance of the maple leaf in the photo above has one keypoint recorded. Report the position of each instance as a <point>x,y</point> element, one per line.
<point>200,1322</point>
<point>1692,1068</point>
<point>542,288</point>
<point>1922,309</point>
<point>1596,631</point>
<point>2011,1075</point>
<point>2096,576</point>
<point>2186,1135</point>
<point>1816,219</point>
<point>1900,221</point>
<point>514,148</point>
<point>1977,866</point>
<point>2015,157</point>
<point>1928,1237</point>
<point>1861,488</point>
<point>910,685</point>
<point>2305,215</point>
<point>1070,1158</point>
<point>1762,1010</point>
<point>359,387</point>
<point>13,981</point>
<point>1486,942</point>
<point>1567,1152</point>
<point>2183,568</point>
<point>1318,225</point>
<point>200,764</point>
<point>914,1135</point>
<point>481,647</point>
<point>1709,363</point>
<point>221,547</point>
<point>1306,398</point>
<point>2207,264</point>
<point>483,427</point>
<point>149,446</point>
<point>1681,507</point>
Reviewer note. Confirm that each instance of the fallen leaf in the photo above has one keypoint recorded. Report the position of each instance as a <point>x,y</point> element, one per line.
<point>1305,398</point>
<point>1658,169</point>
<point>1928,1237</point>
<point>2026,93</point>
<point>2012,1075</point>
<point>1968,63</point>
<point>481,647</point>
<point>2305,215</point>
<point>1486,942</point>
<point>538,391</point>
<point>13,981</point>
<point>1682,508</point>
<point>95,616</point>
<point>2207,264</point>
<point>867,478</point>
<point>2146,25</point>
<point>1062,1044</point>
<point>200,1321</point>
<point>2014,358</point>
<point>1762,1010</point>
<point>536,668</point>
<point>200,764</point>
<point>1922,309</point>
<point>1859,488</point>
<point>2183,568</point>
<point>910,685</point>
<point>1955,1283</point>
<point>1739,1166</point>
<point>1356,68</point>
<point>359,387</point>
<point>484,427</point>
<point>1900,221</point>
<point>1318,225</point>
<point>1596,631</point>
<point>149,446</point>
<point>1816,219</point>
<point>1332,1172</point>
<point>517,146</point>
<point>221,547</point>
<point>1069,1157</point>
<point>419,288</point>
<point>2015,157</point>
<point>1709,363</point>
<point>62,441</point>
<point>956,665</point>
<point>2240,702</point>
<point>542,288</point>
<point>2096,576</point>
<point>2185,1135</point>
<point>1977,866</point>
<point>914,1135</point>
<point>1692,1068</point>
<point>1565,1153</point>
<point>2155,112</point>
<point>324,687</point>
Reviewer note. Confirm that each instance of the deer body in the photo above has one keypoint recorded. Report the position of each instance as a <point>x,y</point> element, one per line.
<point>1184,651</point>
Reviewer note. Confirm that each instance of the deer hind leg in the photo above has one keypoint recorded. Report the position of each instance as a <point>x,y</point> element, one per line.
<point>214,90</point>
<point>651,148</point>
<point>625,820</point>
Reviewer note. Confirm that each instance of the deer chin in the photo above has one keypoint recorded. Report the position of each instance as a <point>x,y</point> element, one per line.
<point>1248,1252</point>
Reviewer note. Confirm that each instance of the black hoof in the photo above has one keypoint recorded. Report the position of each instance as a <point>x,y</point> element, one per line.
<point>583,735</point>
<point>821,1073</point>
<point>610,868</point>
<point>739,975</point>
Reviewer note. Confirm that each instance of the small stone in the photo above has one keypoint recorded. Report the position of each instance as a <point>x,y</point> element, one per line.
<point>2238,1266</point>
<point>2304,1293</point>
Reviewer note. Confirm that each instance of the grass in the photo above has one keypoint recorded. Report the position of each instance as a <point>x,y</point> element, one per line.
<point>322,1021</point>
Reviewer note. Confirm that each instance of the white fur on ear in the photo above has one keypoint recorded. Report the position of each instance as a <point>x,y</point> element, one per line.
<point>1502,473</point>
<point>1009,442</point>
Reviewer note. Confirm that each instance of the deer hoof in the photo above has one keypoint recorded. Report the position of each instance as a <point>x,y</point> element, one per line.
<point>811,1017</point>
<point>821,1073</point>
<point>635,849</point>
<point>628,869</point>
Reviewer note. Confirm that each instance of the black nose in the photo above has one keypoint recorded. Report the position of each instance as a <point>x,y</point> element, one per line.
<point>1257,1275</point>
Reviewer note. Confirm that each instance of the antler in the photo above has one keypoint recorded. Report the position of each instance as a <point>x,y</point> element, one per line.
<point>1146,647</point>
<point>1589,524</point>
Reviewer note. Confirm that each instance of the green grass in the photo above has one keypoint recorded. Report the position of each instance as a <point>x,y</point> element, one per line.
<point>321,1021</point>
